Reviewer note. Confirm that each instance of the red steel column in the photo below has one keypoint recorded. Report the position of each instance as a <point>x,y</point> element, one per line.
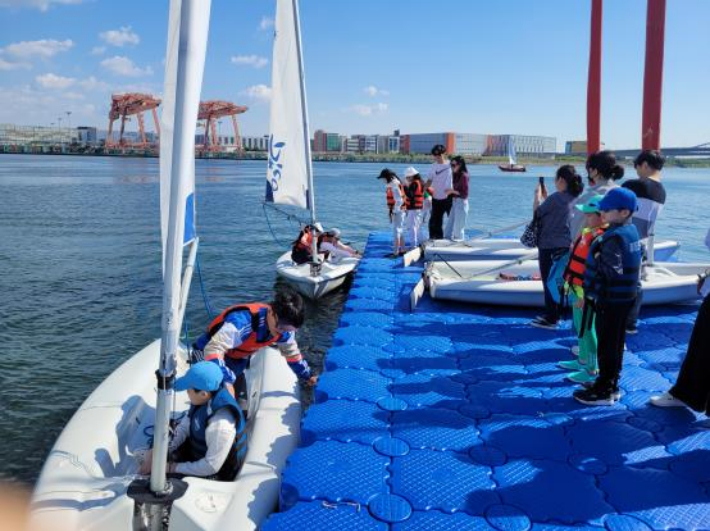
<point>594,81</point>
<point>653,75</point>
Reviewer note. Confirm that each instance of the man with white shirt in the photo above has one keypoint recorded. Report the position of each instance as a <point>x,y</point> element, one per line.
<point>440,179</point>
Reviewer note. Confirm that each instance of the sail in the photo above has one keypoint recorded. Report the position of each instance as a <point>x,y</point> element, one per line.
<point>289,167</point>
<point>511,152</point>
<point>167,124</point>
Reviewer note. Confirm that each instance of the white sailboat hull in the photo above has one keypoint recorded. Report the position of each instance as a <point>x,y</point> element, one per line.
<point>85,477</point>
<point>665,283</point>
<point>508,249</point>
<point>331,276</point>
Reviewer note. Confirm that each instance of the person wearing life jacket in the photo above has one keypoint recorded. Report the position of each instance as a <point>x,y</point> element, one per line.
<point>210,441</point>
<point>332,248</point>
<point>414,204</point>
<point>242,329</point>
<point>610,288</point>
<point>302,247</point>
<point>396,199</point>
<point>584,368</point>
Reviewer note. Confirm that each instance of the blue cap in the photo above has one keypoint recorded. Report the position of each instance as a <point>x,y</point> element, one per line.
<point>618,199</point>
<point>203,376</point>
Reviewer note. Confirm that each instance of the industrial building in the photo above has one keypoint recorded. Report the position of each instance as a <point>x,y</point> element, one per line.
<point>577,147</point>
<point>459,143</point>
<point>536,146</point>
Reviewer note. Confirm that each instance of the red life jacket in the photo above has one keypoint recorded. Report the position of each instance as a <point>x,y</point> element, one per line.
<point>251,344</point>
<point>418,202</point>
<point>574,272</point>
<point>390,196</point>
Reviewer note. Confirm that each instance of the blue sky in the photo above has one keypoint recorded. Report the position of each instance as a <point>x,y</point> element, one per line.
<point>479,66</point>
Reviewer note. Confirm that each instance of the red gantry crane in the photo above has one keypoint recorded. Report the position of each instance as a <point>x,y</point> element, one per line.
<point>211,111</point>
<point>124,105</point>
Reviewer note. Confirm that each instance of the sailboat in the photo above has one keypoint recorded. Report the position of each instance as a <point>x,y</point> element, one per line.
<point>289,176</point>
<point>89,480</point>
<point>512,165</point>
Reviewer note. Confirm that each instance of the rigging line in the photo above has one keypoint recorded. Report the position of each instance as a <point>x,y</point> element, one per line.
<point>290,217</point>
<point>437,255</point>
<point>208,306</point>
<point>271,229</point>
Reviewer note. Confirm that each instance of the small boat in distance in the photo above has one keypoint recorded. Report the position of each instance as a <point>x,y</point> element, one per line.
<point>512,165</point>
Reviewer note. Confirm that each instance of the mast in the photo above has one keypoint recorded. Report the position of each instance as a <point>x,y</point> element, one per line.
<point>194,23</point>
<point>306,128</point>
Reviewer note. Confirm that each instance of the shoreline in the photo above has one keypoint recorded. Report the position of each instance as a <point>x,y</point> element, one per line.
<point>389,158</point>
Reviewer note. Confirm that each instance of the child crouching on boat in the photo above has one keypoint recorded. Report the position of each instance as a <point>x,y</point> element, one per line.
<point>210,441</point>
<point>610,286</point>
<point>585,367</point>
<point>333,249</point>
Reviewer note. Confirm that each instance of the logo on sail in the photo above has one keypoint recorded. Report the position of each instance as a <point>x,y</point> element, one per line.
<point>275,167</point>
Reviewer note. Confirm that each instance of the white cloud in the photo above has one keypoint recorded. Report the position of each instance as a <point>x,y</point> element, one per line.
<point>368,110</point>
<point>53,81</point>
<point>74,96</point>
<point>120,37</point>
<point>372,91</point>
<point>266,23</point>
<point>252,60</point>
<point>123,66</point>
<point>44,48</point>
<point>93,84</point>
<point>258,92</point>
<point>98,50</point>
<point>42,5</point>
<point>9,65</point>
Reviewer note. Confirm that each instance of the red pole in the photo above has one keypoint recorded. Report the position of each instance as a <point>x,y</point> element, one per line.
<point>594,81</point>
<point>653,75</point>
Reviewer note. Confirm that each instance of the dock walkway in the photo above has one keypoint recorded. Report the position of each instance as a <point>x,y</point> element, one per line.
<point>457,418</point>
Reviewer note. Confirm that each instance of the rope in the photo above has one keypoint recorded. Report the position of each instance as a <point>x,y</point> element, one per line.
<point>271,229</point>
<point>208,306</point>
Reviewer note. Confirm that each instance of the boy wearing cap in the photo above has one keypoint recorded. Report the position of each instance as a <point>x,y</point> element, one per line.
<point>440,178</point>
<point>415,204</point>
<point>210,440</point>
<point>610,288</point>
<point>585,368</point>
<point>334,250</point>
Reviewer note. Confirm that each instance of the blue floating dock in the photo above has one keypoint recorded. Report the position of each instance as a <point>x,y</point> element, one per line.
<point>457,418</point>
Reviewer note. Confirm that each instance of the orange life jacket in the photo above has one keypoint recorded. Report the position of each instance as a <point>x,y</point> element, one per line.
<point>574,272</point>
<point>418,202</point>
<point>251,344</point>
<point>304,241</point>
<point>390,196</point>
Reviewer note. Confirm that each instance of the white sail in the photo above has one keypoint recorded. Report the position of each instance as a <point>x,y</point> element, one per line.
<point>167,123</point>
<point>511,152</point>
<point>185,61</point>
<point>289,174</point>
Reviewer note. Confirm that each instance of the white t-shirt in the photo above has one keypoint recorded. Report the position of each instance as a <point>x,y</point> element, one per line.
<point>219,436</point>
<point>441,179</point>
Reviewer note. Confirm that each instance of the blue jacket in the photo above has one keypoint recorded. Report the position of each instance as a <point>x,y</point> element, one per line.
<point>199,419</point>
<point>613,266</point>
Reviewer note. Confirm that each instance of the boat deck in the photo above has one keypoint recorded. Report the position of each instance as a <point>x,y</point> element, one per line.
<point>457,418</point>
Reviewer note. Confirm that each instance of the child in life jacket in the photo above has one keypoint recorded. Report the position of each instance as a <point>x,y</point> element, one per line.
<point>396,204</point>
<point>302,246</point>
<point>332,248</point>
<point>584,368</point>
<point>610,286</point>
<point>415,204</point>
<point>210,441</point>
<point>243,329</point>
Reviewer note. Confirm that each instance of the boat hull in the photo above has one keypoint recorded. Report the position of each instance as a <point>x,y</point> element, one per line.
<point>514,168</point>
<point>331,276</point>
<point>510,249</point>
<point>666,283</point>
<point>85,477</point>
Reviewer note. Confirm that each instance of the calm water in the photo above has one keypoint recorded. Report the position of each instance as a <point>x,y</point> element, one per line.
<point>81,287</point>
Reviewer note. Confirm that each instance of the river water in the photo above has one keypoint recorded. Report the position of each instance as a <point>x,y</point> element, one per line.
<point>80,284</point>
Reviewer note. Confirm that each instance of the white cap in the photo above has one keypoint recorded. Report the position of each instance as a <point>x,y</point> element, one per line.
<point>410,172</point>
<point>318,226</point>
<point>335,232</point>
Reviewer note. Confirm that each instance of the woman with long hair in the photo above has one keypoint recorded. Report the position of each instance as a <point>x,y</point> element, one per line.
<point>554,214</point>
<point>456,223</point>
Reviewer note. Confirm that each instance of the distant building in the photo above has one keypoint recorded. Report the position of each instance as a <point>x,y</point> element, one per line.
<point>87,135</point>
<point>393,144</point>
<point>255,143</point>
<point>577,147</point>
<point>455,143</point>
<point>498,145</point>
<point>37,135</point>
<point>319,141</point>
<point>354,144</point>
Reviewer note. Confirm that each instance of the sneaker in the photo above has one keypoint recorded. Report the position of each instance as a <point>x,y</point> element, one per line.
<point>595,397</point>
<point>616,393</point>
<point>575,350</point>
<point>543,323</point>
<point>572,365</point>
<point>631,330</point>
<point>666,400</point>
<point>583,377</point>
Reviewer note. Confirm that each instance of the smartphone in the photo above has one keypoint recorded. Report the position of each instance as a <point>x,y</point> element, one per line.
<point>541,179</point>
